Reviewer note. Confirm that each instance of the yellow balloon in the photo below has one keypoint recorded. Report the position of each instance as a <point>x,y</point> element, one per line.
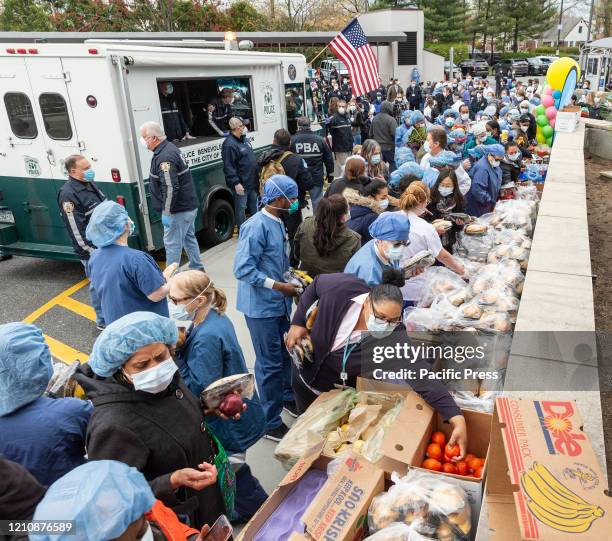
<point>540,138</point>
<point>558,71</point>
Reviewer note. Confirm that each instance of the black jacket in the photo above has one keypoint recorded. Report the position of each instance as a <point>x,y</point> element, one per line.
<point>155,433</point>
<point>510,171</point>
<point>413,95</point>
<point>341,133</point>
<point>214,123</point>
<point>294,166</point>
<point>174,123</point>
<point>383,127</point>
<point>364,210</point>
<point>76,201</point>
<point>172,188</point>
<point>477,105</point>
<point>239,162</point>
<point>316,152</point>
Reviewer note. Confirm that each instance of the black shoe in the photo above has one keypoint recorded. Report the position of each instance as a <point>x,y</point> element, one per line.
<point>291,408</point>
<point>277,434</point>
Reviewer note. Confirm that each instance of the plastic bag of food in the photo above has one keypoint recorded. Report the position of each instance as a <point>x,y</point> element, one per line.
<point>491,219</point>
<point>440,280</point>
<point>473,247</point>
<point>528,191</point>
<point>348,436</point>
<point>492,321</point>
<point>397,531</point>
<point>304,351</point>
<point>213,395</point>
<point>62,383</point>
<point>374,437</point>
<point>435,506</point>
<point>471,268</point>
<point>314,425</point>
<point>509,237</point>
<point>421,320</point>
<point>419,261</point>
<point>467,400</point>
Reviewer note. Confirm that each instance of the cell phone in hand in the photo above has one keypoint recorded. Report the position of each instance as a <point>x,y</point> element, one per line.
<point>221,530</point>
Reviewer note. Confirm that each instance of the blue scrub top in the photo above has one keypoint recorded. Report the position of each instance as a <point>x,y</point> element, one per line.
<point>123,278</point>
<point>366,264</point>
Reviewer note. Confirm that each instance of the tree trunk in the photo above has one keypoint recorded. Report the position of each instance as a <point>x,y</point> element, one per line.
<point>515,37</point>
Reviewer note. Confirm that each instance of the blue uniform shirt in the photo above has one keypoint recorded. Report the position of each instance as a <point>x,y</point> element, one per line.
<point>263,252</point>
<point>212,352</point>
<point>366,264</point>
<point>123,278</point>
<point>47,436</point>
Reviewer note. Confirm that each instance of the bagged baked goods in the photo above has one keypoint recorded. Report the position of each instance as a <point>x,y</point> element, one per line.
<point>434,506</point>
<point>470,267</point>
<point>492,321</point>
<point>470,310</point>
<point>397,531</point>
<point>443,224</point>
<point>475,229</point>
<point>314,425</point>
<point>467,400</point>
<point>473,247</point>
<point>419,261</point>
<point>440,280</point>
<point>213,395</point>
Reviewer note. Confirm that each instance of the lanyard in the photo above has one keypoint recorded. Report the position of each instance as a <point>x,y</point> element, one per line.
<point>345,355</point>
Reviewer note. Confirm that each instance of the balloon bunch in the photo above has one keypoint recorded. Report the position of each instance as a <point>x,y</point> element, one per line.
<point>562,76</point>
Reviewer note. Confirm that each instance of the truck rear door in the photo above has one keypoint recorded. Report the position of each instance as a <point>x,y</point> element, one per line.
<point>48,81</point>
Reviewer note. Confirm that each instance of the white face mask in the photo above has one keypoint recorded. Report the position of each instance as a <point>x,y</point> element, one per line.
<point>377,328</point>
<point>465,116</point>
<point>143,142</point>
<point>156,379</point>
<point>494,163</point>
<point>445,192</point>
<point>394,253</point>
<point>341,110</point>
<point>383,203</point>
<point>524,128</point>
<point>426,147</point>
<point>514,157</point>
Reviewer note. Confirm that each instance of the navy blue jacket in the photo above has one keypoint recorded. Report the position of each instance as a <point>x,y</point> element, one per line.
<point>212,352</point>
<point>175,126</point>
<point>315,151</point>
<point>172,188</point>
<point>361,219</point>
<point>76,201</point>
<point>239,162</point>
<point>341,132</point>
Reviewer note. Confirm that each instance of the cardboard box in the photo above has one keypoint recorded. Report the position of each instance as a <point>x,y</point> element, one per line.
<point>401,444</point>
<point>544,481</point>
<point>340,508</point>
<point>479,431</point>
<point>566,121</point>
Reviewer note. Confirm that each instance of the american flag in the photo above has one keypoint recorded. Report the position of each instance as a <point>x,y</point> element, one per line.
<point>352,47</point>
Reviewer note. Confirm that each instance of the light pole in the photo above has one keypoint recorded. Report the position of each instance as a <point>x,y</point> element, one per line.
<point>559,27</point>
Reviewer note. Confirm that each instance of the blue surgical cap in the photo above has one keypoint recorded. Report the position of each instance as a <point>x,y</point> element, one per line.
<point>430,176</point>
<point>490,110</point>
<point>278,186</point>
<point>102,497</point>
<point>126,335</point>
<point>390,226</point>
<point>514,114</point>
<point>407,168</point>
<point>450,112</point>
<point>107,223</point>
<point>446,158</point>
<point>503,111</point>
<point>25,365</point>
<point>407,114</point>
<point>403,155</point>
<point>458,135</point>
<point>494,150</point>
<point>417,116</point>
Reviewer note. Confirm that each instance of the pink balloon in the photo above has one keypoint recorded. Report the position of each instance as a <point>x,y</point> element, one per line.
<point>548,90</point>
<point>547,100</point>
<point>552,120</point>
<point>551,112</point>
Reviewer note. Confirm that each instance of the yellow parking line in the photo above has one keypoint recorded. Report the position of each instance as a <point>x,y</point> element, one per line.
<point>63,352</point>
<point>55,300</point>
<point>78,307</point>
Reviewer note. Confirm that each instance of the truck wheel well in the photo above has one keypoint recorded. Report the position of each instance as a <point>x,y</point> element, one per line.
<point>223,194</point>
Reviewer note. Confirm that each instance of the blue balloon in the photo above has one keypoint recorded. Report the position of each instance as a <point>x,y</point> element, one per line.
<point>557,104</point>
<point>556,94</point>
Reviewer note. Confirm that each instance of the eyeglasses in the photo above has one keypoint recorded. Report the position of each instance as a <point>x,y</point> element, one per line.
<point>381,319</point>
<point>401,243</point>
<point>176,301</point>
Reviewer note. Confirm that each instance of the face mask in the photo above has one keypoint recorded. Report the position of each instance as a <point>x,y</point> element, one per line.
<point>352,108</point>
<point>394,253</point>
<point>450,121</point>
<point>524,128</point>
<point>156,379</point>
<point>148,535</point>
<point>514,157</point>
<point>524,110</point>
<point>494,163</point>
<point>489,99</point>
<point>341,110</point>
<point>465,116</point>
<point>383,203</point>
<point>375,160</point>
<point>445,192</point>
<point>169,88</point>
<point>245,130</point>
<point>426,147</point>
<point>89,175</point>
<point>294,207</point>
<point>132,227</point>
<point>483,137</point>
<point>143,142</point>
<point>378,329</point>
<point>479,96</point>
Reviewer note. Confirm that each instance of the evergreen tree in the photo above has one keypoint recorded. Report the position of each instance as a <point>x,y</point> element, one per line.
<point>444,21</point>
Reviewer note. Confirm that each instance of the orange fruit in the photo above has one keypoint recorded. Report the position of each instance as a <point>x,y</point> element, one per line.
<point>434,451</point>
<point>474,464</point>
<point>432,464</point>
<point>451,450</point>
<point>469,456</point>
<point>462,467</point>
<point>478,472</point>
<point>439,438</point>
<point>449,468</point>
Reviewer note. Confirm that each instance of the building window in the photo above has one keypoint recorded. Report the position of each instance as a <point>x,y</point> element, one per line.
<point>55,116</point>
<point>407,50</point>
<point>580,29</point>
<point>20,115</point>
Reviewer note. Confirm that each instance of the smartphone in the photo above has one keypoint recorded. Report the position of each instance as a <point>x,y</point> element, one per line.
<point>220,531</point>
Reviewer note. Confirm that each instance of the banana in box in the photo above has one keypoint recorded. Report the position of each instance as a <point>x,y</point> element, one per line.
<point>544,481</point>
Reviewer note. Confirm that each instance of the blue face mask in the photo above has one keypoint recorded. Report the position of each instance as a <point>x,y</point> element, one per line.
<point>132,227</point>
<point>375,160</point>
<point>89,175</point>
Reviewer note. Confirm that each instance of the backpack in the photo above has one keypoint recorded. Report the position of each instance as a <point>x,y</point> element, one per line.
<point>273,167</point>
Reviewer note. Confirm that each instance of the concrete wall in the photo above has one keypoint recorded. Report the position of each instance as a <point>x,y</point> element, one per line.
<point>402,20</point>
<point>599,138</point>
<point>433,67</point>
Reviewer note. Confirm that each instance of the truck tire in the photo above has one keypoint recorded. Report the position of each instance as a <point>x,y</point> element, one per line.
<point>218,222</point>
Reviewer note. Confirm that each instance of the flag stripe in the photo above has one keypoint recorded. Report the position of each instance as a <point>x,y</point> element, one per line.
<point>356,63</point>
<point>350,61</point>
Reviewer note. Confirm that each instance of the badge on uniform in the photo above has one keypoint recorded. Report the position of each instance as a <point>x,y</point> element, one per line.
<point>68,207</point>
<point>165,166</point>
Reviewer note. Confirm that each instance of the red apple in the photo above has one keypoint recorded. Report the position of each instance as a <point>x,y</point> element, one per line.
<point>231,405</point>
